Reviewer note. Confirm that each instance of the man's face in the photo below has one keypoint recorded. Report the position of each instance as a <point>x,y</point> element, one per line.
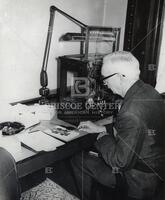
<point>113,82</point>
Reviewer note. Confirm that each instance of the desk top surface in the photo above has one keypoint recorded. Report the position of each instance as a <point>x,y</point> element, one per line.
<point>19,152</point>
<point>22,153</point>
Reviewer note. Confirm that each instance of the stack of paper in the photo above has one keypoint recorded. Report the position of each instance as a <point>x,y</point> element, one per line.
<point>28,120</point>
<point>18,113</point>
<point>39,141</point>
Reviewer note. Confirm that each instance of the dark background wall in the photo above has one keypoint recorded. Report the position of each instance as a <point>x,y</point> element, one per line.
<point>143,35</point>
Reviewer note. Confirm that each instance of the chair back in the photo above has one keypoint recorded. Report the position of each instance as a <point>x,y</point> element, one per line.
<point>9,185</point>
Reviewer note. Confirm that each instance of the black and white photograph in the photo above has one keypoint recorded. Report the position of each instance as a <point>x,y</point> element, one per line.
<point>82,100</point>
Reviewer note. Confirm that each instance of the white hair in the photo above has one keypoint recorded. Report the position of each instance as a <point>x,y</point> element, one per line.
<point>131,68</point>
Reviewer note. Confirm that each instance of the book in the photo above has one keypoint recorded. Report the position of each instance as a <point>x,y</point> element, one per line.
<point>39,141</point>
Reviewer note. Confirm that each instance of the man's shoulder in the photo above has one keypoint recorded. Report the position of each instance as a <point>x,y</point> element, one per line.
<point>145,94</point>
<point>144,97</point>
<point>145,90</point>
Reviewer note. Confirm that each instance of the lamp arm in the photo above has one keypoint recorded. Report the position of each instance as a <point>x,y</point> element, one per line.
<point>44,92</point>
<point>48,40</point>
<point>68,16</point>
<point>50,31</point>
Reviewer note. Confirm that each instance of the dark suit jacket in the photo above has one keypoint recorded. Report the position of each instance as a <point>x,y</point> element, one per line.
<point>137,148</point>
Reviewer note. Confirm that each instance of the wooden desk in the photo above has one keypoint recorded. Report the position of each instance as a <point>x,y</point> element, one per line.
<point>28,161</point>
<point>43,159</point>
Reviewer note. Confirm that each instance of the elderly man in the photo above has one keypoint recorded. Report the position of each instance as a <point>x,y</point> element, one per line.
<point>130,148</point>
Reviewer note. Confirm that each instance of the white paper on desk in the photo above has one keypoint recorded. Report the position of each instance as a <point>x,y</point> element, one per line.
<point>28,120</point>
<point>66,138</point>
<point>19,113</point>
<point>39,141</point>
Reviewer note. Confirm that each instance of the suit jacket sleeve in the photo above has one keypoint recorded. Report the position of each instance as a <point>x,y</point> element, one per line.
<point>122,151</point>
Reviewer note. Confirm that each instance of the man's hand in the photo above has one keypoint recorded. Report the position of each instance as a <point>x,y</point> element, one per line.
<point>91,127</point>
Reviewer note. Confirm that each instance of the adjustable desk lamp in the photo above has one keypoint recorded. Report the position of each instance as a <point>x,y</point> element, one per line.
<point>44,91</point>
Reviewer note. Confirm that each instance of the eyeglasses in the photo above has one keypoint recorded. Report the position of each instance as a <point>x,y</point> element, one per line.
<point>103,79</point>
